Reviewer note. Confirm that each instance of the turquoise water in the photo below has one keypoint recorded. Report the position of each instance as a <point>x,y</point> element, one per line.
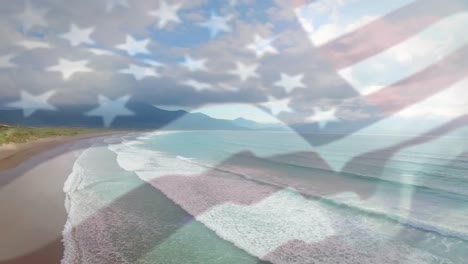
<point>244,197</point>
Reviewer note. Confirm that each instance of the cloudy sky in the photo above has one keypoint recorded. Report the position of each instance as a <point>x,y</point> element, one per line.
<point>277,55</point>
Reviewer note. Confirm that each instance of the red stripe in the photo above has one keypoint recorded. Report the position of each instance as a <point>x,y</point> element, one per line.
<point>388,31</point>
<point>417,87</point>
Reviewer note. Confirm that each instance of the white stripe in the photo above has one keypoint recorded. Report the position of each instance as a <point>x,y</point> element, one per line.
<point>415,120</point>
<point>327,20</point>
<point>409,57</point>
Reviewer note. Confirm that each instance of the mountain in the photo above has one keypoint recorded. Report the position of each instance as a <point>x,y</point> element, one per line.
<point>242,122</point>
<point>146,117</point>
<point>250,124</point>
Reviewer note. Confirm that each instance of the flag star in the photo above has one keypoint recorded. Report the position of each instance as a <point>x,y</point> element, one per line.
<point>31,103</point>
<point>32,16</point>
<point>194,65</point>
<point>216,24</point>
<point>77,36</point>
<point>262,46</point>
<point>244,72</point>
<point>140,72</point>
<point>323,117</point>
<point>199,86</point>
<point>31,44</point>
<point>5,61</point>
<point>277,106</point>
<point>134,47</point>
<point>68,68</point>
<point>166,13</point>
<point>290,82</point>
<point>111,4</point>
<point>109,109</point>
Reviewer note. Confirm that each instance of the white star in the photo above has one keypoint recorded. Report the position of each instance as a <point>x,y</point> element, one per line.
<point>194,65</point>
<point>323,117</point>
<point>109,109</point>
<point>166,13</point>
<point>277,106</point>
<point>216,24</point>
<point>5,61</point>
<point>67,68</point>
<point>290,82</point>
<point>31,44</point>
<point>134,47</point>
<point>262,46</point>
<point>32,17</point>
<point>140,72</point>
<point>199,86</point>
<point>31,103</point>
<point>77,36</point>
<point>111,4</point>
<point>245,72</point>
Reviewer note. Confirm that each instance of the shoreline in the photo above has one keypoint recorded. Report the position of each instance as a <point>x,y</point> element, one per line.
<point>13,154</point>
<point>32,177</point>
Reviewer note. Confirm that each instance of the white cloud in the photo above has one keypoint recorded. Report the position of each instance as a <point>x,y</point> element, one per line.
<point>449,103</point>
<point>408,57</point>
<point>330,19</point>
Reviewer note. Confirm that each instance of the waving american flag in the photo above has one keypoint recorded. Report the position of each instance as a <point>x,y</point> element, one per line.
<point>332,71</point>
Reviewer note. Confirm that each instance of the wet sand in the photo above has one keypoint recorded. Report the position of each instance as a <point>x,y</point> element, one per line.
<point>33,215</point>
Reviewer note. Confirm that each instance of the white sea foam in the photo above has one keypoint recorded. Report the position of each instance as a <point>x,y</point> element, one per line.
<point>72,184</point>
<point>151,164</point>
<point>263,227</point>
<point>91,191</point>
<point>152,134</point>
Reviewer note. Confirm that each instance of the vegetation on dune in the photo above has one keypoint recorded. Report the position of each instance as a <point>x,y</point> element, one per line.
<point>14,134</point>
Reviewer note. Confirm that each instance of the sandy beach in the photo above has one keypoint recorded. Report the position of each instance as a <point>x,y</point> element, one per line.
<point>32,176</point>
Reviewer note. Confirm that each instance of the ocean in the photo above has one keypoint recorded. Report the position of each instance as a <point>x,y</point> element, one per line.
<point>254,197</point>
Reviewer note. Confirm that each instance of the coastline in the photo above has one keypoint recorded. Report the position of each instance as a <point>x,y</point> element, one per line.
<point>32,177</point>
<point>13,154</point>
